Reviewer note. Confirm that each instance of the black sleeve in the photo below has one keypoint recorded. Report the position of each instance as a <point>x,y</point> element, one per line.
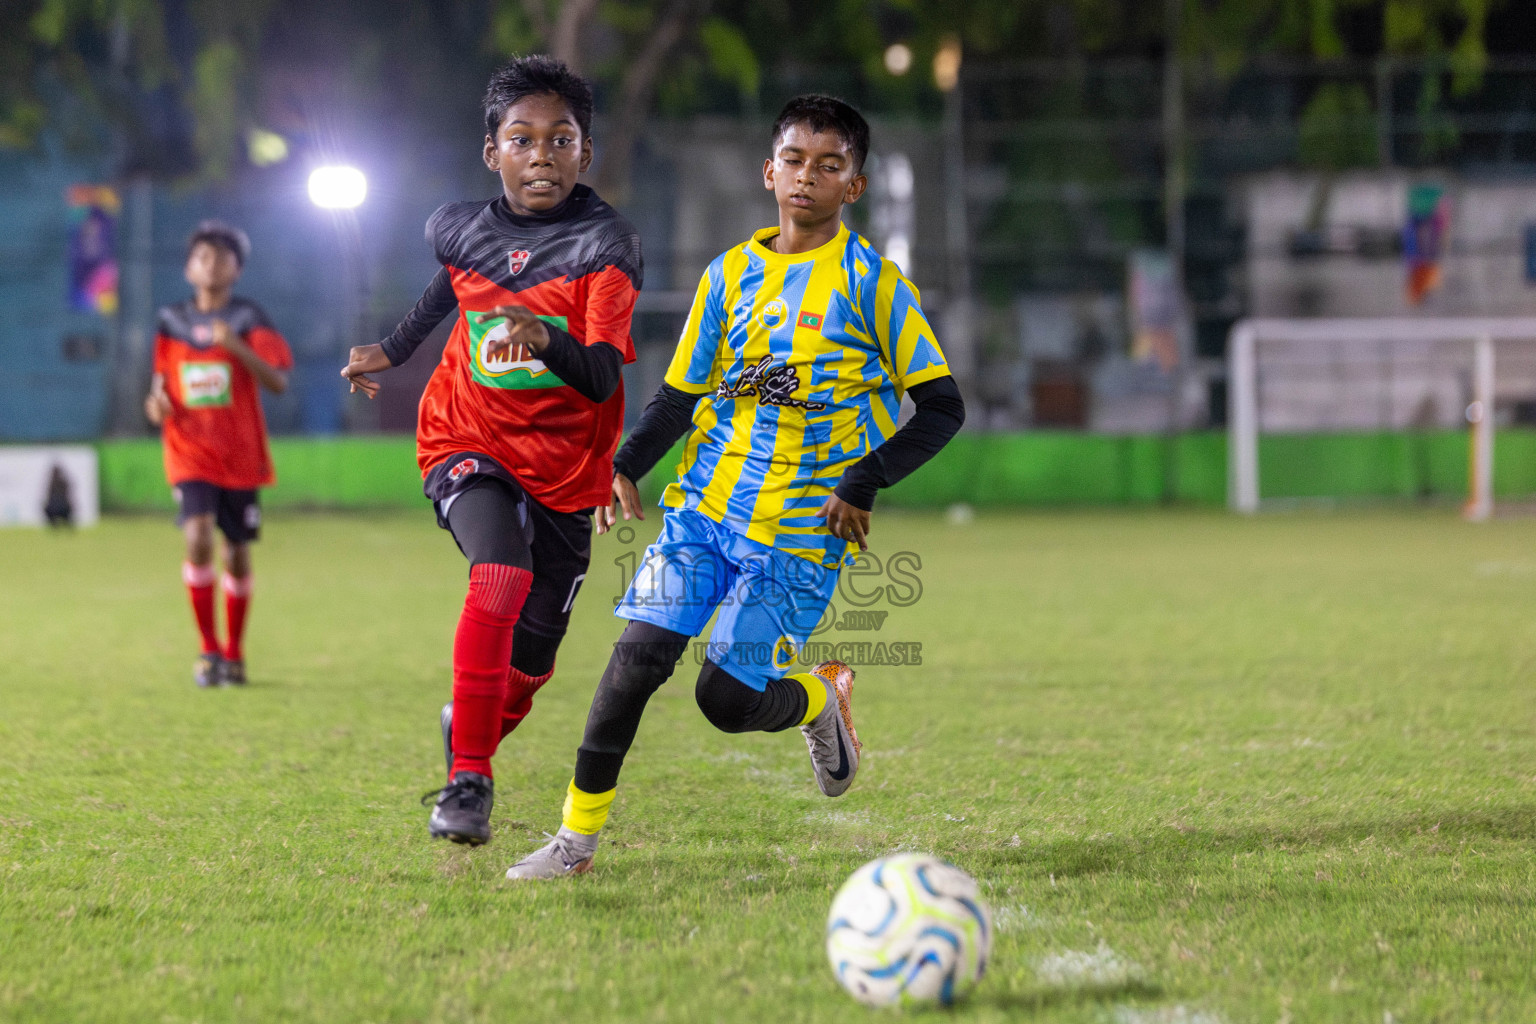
<point>666,419</point>
<point>435,303</point>
<point>940,414</point>
<point>593,370</point>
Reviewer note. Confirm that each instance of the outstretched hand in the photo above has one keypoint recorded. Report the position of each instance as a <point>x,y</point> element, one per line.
<point>361,361</point>
<point>846,521</point>
<point>626,498</point>
<point>523,328</point>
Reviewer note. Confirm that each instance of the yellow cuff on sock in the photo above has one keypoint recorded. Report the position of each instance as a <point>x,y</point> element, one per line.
<point>815,694</point>
<point>586,813</point>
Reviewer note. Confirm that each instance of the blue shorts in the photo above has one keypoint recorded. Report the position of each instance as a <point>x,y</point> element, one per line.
<point>770,602</point>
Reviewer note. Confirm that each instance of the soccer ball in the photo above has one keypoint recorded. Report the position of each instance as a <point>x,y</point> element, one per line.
<point>908,928</point>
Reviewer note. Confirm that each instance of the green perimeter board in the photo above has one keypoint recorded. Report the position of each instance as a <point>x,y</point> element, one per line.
<point>329,473</point>
<point>984,469</point>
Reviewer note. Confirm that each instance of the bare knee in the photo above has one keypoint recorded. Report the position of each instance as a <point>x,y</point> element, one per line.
<point>237,560</point>
<point>198,531</point>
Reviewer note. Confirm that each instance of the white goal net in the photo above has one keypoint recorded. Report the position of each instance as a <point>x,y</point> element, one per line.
<point>1374,408</point>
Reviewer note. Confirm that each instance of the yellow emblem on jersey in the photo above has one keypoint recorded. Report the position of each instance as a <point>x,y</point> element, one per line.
<point>774,313</point>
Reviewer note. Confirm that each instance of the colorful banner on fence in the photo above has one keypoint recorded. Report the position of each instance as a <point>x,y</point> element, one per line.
<point>1155,308</point>
<point>93,213</point>
<point>1424,239</point>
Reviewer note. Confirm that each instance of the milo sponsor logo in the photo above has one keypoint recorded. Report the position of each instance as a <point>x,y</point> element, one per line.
<point>204,385</point>
<point>515,367</point>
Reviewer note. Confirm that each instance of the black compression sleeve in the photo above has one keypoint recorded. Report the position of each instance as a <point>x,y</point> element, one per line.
<point>940,414</point>
<point>733,706</point>
<point>643,659</point>
<point>665,420</point>
<point>593,370</point>
<point>435,303</point>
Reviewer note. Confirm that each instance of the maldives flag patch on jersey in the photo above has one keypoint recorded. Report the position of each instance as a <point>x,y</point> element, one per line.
<point>810,321</point>
<point>517,368</point>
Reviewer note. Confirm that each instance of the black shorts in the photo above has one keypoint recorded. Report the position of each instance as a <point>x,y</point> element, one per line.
<point>559,543</point>
<point>236,513</point>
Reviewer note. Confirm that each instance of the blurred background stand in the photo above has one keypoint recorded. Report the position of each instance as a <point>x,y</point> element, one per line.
<point>1088,199</point>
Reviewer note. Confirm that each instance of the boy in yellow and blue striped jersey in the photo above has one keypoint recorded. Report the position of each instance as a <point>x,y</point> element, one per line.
<point>790,372</point>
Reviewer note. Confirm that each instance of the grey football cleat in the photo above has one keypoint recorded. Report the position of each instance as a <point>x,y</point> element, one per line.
<point>833,743</point>
<point>566,853</point>
<point>462,812</point>
<point>445,719</point>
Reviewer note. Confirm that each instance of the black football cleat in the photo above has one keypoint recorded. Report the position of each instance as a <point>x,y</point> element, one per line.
<point>232,672</point>
<point>462,812</point>
<point>206,669</point>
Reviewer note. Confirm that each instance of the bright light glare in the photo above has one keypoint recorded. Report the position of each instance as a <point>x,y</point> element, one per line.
<point>337,188</point>
<point>265,148</point>
<point>946,64</point>
<point>898,58</point>
<point>899,177</point>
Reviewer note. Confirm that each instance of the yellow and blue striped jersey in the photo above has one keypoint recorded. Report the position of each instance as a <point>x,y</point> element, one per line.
<point>802,361</point>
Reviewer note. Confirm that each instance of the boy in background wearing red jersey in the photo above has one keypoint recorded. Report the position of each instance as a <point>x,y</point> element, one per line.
<point>518,425</point>
<point>213,353</point>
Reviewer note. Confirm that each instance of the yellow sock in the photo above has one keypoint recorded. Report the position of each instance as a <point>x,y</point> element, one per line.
<point>815,693</point>
<point>586,813</point>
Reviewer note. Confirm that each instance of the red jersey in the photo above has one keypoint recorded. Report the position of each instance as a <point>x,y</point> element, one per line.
<point>579,270</point>
<point>215,431</point>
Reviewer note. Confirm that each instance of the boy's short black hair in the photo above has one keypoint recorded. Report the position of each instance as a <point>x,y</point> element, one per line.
<point>535,75</point>
<point>823,114</point>
<point>225,236</point>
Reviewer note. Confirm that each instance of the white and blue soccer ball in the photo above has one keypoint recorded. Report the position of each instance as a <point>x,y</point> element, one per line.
<point>908,928</point>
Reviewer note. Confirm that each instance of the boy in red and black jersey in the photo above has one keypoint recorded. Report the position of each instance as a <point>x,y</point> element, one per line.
<point>518,425</point>
<point>213,354</point>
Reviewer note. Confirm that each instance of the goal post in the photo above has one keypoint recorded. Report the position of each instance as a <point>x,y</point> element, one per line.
<point>1363,374</point>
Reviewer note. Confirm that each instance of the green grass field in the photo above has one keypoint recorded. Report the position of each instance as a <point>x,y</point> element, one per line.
<point>1206,769</point>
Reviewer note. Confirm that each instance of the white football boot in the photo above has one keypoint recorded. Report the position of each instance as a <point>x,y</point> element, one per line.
<point>566,853</point>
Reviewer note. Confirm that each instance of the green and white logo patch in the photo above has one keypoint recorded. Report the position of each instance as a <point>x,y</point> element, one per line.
<point>204,385</point>
<point>517,368</point>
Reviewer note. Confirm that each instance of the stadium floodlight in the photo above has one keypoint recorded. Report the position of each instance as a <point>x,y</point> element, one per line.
<point>337,187</point>
<point>898,59</point>
<point>1369,376</point>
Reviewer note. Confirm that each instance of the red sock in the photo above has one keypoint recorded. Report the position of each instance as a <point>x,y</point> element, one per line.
<point>520,691</point>
<point>237,598</point>
<point>482,647</point>
<point>199,581</point>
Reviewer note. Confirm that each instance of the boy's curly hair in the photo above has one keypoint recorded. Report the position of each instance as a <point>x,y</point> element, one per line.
<point>534,75</point>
